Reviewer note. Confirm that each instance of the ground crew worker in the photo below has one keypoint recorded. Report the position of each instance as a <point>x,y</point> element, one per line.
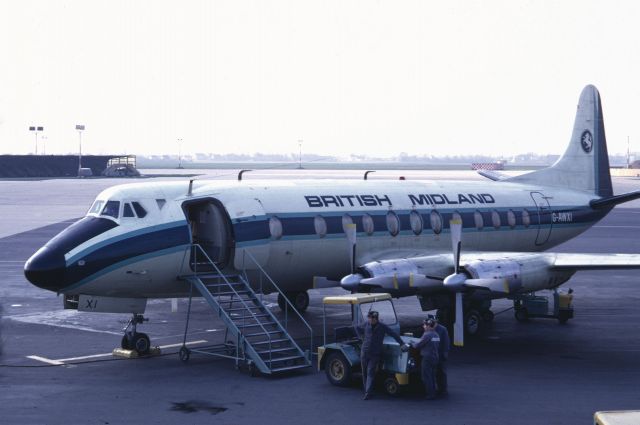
<point>428,345</point>
<point>443,355</point>
<point>372,333</point>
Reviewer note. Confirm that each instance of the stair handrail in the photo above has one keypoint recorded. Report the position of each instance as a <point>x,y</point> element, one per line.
<point>220,274</point>
<point>284,297</point>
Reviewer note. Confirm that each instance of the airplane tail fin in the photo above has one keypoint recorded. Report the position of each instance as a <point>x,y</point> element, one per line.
<point>585,163</point>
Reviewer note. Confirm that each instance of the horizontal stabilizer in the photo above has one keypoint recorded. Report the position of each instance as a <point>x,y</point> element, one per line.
<point>596,261</point>
<point>611,201</point>
<point>493,175</point>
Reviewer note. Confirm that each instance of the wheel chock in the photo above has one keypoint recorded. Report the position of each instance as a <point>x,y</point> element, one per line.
<point>133,354</point>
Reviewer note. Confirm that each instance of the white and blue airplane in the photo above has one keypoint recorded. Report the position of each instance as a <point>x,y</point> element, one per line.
<point>133,242</point>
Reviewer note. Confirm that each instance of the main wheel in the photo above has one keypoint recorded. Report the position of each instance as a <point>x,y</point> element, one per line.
<point>391,386</point>
<point>472,323</point>
<point>300,301</point>
<point>141,343</point>
<point>522,315</point>
<point>488,316</point>
<point>337,369</point>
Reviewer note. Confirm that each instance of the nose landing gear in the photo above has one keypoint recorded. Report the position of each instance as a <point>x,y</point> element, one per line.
<point>133,340</point>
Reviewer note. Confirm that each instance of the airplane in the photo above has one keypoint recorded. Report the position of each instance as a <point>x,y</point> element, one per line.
<point>394,236</point>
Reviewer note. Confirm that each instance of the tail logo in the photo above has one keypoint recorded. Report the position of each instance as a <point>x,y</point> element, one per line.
<point>586,140</point>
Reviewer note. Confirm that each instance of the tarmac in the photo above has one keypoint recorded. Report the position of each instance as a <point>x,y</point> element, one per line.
<point>56,366</point>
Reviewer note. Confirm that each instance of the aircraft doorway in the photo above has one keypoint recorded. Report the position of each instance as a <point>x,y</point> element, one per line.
<point>544,217</point>
<point>210,228</point>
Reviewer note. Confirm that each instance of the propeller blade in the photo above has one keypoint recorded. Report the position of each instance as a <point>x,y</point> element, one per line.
<point>458,326</point>
<point>350,230</point>
<point>493,285</point>
<point>455,226</point>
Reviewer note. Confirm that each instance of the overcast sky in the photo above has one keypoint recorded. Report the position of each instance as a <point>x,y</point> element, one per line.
<point>365,77</point>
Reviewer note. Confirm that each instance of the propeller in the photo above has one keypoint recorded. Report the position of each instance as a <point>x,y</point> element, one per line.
<point>350,230</point>
<point>456,281</point>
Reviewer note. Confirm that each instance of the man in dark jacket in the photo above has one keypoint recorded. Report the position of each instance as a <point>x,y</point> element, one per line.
<point>372,333</point>
<point>443,355</point>
<point>428,345</point>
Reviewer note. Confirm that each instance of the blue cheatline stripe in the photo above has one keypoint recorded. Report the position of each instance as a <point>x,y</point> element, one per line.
<point>126,262</point>
<point>123,236</point>
<point>300,226</point>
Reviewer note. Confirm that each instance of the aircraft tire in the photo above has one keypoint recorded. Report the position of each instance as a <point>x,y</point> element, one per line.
<point>488,316</point>
<point>521,315</point>
<point>141,343</point>
<point>472,323</point>
<point>300,301</point>
<point>124,343</point>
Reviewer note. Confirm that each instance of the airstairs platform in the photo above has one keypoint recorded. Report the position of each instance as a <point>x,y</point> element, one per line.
<point>254,335</point>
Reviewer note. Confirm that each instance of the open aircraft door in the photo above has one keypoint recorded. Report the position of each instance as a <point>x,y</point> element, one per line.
<point>543,209</point>
<point>251,213</point>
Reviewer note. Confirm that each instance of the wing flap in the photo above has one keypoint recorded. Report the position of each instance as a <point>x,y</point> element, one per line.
<point>596,261</point>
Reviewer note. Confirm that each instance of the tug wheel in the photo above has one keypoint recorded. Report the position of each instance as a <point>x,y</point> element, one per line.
<point>337,369</point>
<point>391,386</point>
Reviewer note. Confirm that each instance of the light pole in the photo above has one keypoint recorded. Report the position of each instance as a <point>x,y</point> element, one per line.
<point>80,128</point>
<point>300,154</point>
<point>36,129</point>
<point>44,144</point>
<point>179,153</point>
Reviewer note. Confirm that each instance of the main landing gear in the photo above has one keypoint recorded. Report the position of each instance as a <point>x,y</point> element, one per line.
<point>133,340</point>
<point>476,316</point>
<point>300,300</point>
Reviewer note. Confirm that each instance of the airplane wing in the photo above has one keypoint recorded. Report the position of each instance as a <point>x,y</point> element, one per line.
<point>596,261</point>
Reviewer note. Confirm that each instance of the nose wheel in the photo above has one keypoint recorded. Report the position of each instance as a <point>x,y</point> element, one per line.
<point>133,340</point>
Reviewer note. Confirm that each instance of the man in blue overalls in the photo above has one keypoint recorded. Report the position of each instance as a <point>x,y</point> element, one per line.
<point>428,345</point>
<point>372,333</point>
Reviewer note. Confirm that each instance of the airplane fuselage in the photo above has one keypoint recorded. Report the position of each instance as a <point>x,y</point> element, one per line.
<point>294,230</point>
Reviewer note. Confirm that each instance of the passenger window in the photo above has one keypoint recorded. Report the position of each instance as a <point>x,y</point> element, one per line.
<point>479,221</point>
<point>367,224</point>
<point>111,209</point>
<point>526,218</point>
<point>393,223</point>
<point>416,222</point>
<point>511,218</point>
<point>495,219</point>
<point>96,207</point>
<point>275,227</point>
<point>127,211</point>
<point>139,209</point>
<point>320,225</point>
<point>346,219</point>
<point>436,222</point>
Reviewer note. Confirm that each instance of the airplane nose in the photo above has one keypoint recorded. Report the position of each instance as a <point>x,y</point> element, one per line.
<point>45,269</point>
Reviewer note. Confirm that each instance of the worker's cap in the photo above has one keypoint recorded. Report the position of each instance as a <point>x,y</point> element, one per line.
<point>429,322</point>
<point>373,314</point>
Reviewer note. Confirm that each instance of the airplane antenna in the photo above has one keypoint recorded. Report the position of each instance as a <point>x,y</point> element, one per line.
<point>190,187</point>
<point>241,173</point>
<point>366,173</point>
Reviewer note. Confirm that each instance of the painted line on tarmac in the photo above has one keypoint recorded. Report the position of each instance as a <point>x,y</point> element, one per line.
<point>60,362</point>
<point>617,227</point>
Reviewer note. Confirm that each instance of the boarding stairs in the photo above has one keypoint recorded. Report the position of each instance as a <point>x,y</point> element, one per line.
<point>254,335</point>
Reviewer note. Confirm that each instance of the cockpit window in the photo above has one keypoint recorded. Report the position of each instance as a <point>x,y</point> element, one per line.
<point>96,207</point>
<point>127,211</point>
<point>111,209</point>
<point>139,209</point>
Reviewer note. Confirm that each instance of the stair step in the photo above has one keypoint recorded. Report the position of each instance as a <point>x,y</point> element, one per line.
<point>273,341</point>
<point>264,333</point>
<point>253,325</point>
<point>285,368</point>
<point>204,276</point>
<point>276,350</point>
<point>283,359</point>
<point>250,316</point>
<point>251,307</point>
<point>220,294</point>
